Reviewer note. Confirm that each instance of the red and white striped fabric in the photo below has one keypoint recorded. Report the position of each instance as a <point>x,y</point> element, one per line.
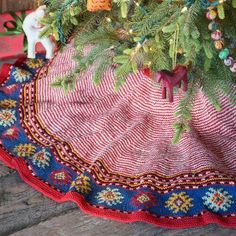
<point>111,153</point>
<point>130,131</point>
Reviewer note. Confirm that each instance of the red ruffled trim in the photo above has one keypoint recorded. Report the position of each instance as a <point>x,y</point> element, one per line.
<point>20,60</point>
<point>184,222</point>
<point>6,68</point>
<point>4,72</point>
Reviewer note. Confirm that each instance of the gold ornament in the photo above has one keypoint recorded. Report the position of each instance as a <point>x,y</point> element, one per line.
<point>180,51</point>
<point>219,44</point>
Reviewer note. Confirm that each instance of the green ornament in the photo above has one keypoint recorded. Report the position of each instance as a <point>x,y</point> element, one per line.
<point>224,54</point>
<point>213,26</point>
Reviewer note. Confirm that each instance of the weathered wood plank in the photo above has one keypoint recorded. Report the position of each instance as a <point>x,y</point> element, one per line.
<point>11,61</point>
<point>13,5</point>
<point>76,223</point>
<point>4,170</point>
<point>21,206</point>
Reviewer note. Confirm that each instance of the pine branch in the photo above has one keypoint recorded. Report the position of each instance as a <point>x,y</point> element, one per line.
<point>183,112</point>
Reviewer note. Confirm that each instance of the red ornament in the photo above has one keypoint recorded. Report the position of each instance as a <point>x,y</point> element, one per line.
<point>170,79</point>
<point>147,72</point>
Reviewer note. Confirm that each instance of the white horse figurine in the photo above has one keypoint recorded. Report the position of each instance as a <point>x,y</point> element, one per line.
<point>32,29</point>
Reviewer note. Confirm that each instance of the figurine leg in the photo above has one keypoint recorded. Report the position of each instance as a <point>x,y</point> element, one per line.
<point>185,85</point>
<point>49,46</point>
<point>170,93</point>
<point>164,92</point>
<point>180,84</point>
<point>31,49</point>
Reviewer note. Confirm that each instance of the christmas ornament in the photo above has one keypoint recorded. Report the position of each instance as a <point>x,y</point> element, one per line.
<point>33,28</point>
<point>233,68</point>
<point>211,15</point>
<point>213,26</point>
<point>170,79</point>
<point>219,44</point>
<point>224,54</point>
<point>221,11</point>
<point>217,35</point>
<point>229,61</point>
<point>98,5</point>
<point>147,72</point>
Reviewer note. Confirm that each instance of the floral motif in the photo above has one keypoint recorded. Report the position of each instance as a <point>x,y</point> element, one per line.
<point>60,177</point>
<point>179,202</point>
<point>9,89</point>
<point>8,103</point>
<point>7,117</point>
<point>217,199</point>
<point>41,158</point>
<point>11,133</point>
<point>34,63</point>
<point>146,199</point>
<point>81,184</point>
<point>110,196</point>
<point>21,75</point>
<point>25,150</point>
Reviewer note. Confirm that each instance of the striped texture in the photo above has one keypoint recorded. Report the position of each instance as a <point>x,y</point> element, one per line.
<point>111,153</point>
<point>130,132</point>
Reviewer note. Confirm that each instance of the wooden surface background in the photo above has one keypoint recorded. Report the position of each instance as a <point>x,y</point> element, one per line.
<point>16,5</point>
<point>25,212</point>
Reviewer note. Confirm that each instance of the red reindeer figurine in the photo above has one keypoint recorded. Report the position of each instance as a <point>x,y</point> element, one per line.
<point>171,79</point>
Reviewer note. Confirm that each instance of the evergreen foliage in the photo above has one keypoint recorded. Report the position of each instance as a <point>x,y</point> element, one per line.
<point>153,34</point>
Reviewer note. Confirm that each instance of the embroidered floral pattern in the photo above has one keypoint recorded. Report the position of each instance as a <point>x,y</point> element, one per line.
<point>110,196</point>
<point>21,75</point>
<point>217,199</point>
<point>146,199</point>
<point>7,117</point>
<point>41,158</point>
<point>9,89</point>
<point>63,177</point>
<point>60,177</point>
<point>11,133</point>
<point>81,184</point>
<point>34,63</point>
<point>179,202</point>
<point>25,150</point>
<point>8,103</point>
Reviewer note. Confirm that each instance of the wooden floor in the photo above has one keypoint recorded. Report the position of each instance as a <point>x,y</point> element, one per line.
<point>25,212</point>
<point>17,5</point>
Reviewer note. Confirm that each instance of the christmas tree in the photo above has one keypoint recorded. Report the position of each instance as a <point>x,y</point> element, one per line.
<point>198,37</point>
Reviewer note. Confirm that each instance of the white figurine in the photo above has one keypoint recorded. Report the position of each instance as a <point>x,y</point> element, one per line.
<point>32,29</point>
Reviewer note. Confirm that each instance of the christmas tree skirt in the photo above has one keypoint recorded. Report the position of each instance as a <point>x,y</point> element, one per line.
<point>111,153</point>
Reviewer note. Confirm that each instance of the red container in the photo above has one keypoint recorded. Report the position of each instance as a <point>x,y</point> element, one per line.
<point>12,46</point>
